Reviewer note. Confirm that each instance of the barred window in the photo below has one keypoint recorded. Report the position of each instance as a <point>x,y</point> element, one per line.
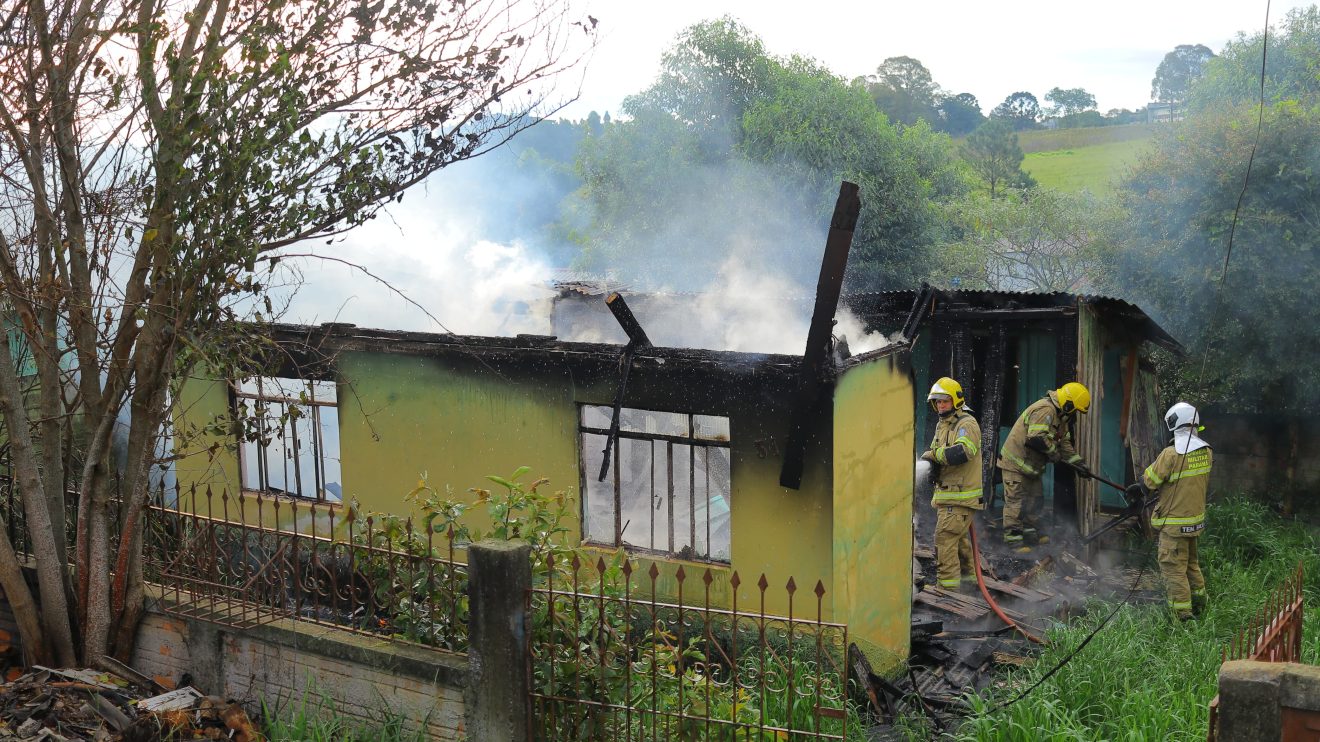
<point>668,489</point>
<point>289,437</point>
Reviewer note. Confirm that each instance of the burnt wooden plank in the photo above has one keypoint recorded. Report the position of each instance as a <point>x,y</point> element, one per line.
<point>970,602</point>
<point>956,607</point>
<point>1017,591</point>
<point>812,379</point>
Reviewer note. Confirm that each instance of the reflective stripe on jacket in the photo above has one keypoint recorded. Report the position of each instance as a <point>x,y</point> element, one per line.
<point>1040,420</point>
<point>1182,481</point>
<point>957,484</point>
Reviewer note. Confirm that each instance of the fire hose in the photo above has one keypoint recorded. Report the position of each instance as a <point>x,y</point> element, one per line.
<point>985,592</point>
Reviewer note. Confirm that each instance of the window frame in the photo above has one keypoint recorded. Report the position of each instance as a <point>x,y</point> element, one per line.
<point>693,442</point>
<point>313,407</point>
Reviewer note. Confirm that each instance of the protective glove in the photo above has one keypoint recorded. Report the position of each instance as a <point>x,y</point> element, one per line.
<point>1134,493</point>
<point>929,456</point>
<point>1082,471</point>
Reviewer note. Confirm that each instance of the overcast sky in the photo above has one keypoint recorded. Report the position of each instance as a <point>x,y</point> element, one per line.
<point>436,246</point>
<point>989,49</point>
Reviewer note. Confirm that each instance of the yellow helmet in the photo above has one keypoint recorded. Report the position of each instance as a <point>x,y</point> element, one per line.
<point>946,387</point>
<point>1074,396</point>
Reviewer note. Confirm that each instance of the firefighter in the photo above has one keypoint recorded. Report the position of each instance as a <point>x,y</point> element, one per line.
<point>1041,434</point>
<point>955,453</point>
<point>1181,475</point>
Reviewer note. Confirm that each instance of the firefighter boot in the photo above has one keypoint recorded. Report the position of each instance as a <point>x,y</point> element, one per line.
<point>1199,602</point>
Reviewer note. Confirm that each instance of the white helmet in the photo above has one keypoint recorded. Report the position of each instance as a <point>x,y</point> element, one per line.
<point>1182,415</point>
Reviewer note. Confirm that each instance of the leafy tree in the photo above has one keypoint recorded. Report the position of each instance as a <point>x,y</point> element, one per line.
<point>1031,240</point>
<point>959,114</point>
<point>904,90</point>
<point>668,209</point>
<point>1021,110</point>
<point>1177,71</point>
<point>1244,340</point>
<point>1233,77</point>
<point>157,159</point>
<point>993,152</point>
<point>1070,102</point>
<point>708,78</point>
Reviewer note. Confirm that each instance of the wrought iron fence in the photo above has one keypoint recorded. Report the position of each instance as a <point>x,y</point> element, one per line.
<point>1274,633</point>
<point>244,561</point>
<point>617,656</point>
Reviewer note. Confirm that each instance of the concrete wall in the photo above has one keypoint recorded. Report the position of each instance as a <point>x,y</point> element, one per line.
<point>873,507</point>
<point>1268,701</point>
<point>286,661</point>
<point>1253,453</point>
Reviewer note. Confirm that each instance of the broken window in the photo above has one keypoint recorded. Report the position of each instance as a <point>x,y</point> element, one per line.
<point>668,488</point>
<point>289,441</point>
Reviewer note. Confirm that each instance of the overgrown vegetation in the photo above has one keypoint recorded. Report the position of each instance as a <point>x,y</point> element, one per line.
<point>315,718</point>
<point>1145,677</point>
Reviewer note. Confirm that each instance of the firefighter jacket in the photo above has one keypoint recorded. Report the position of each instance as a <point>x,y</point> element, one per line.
<point>1181,480</point>
<point>1044,426</point>
<point>956,448</point>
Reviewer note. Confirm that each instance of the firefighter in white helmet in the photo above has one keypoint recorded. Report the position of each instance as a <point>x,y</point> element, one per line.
<point>1181,476</point>
<point>955,452</point>
<point>1041,434</point>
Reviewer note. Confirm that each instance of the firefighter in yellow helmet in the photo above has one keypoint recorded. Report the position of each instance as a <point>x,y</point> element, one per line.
<point>1041,434</point>
<point>1181,475</point>
<point>955,452</point>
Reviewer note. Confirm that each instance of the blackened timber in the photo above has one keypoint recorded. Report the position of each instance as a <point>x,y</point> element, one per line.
<point>611,440</point>
<point>920,311</point>
<point>991,405</point>
<point>817,354</point>
<point>636,339</point>
<point>624,316</point>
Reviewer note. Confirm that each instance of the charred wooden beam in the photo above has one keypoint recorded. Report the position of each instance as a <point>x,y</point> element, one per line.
<point>992,402</point>
<point>817,354</point>
<point>636,339</point>
<point>624,316</point>
<point>921,309</point>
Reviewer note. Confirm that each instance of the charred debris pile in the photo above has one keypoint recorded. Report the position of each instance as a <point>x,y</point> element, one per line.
<point>959,646</point>
<point>114,705</point>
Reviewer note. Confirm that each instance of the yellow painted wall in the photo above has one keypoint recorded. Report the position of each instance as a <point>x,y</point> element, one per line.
<point>457,420</point>
<point>872,546</point>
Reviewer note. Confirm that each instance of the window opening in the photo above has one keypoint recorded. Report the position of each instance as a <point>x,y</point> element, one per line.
<point>289,441</point>
<point>670,489</point>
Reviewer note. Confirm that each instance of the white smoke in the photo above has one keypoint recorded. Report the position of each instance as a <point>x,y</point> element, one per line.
<point>453,278</point>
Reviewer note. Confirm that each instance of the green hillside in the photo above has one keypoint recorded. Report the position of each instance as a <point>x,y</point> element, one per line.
<point>1093,159</point>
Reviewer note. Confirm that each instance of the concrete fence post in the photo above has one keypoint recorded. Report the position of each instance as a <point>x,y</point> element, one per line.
<point>496,700</point>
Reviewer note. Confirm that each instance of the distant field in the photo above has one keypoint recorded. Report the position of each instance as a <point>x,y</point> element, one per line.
<point>1096,168</point>
<point>1049,140</point>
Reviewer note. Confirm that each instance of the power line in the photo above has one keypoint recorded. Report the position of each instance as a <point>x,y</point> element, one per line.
<point>1237,209</point>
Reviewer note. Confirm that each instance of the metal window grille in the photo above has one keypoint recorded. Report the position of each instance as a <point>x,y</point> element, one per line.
<point>289,435</point>
<point>668,490</point>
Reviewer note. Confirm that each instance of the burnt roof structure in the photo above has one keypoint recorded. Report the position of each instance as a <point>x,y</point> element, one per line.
<point>967,304</point>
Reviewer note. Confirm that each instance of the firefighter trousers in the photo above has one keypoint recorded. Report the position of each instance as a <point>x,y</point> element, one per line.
<point>953,546</point>
<point>1182,573</point>
<point>1024,498</point>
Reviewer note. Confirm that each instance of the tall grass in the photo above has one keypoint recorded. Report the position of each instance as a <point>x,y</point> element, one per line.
<point>314,718</point>
<point>1144,677</point>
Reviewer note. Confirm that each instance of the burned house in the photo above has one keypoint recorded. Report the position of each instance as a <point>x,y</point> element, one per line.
<point>696,463</point>
<point>1006,348</point>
